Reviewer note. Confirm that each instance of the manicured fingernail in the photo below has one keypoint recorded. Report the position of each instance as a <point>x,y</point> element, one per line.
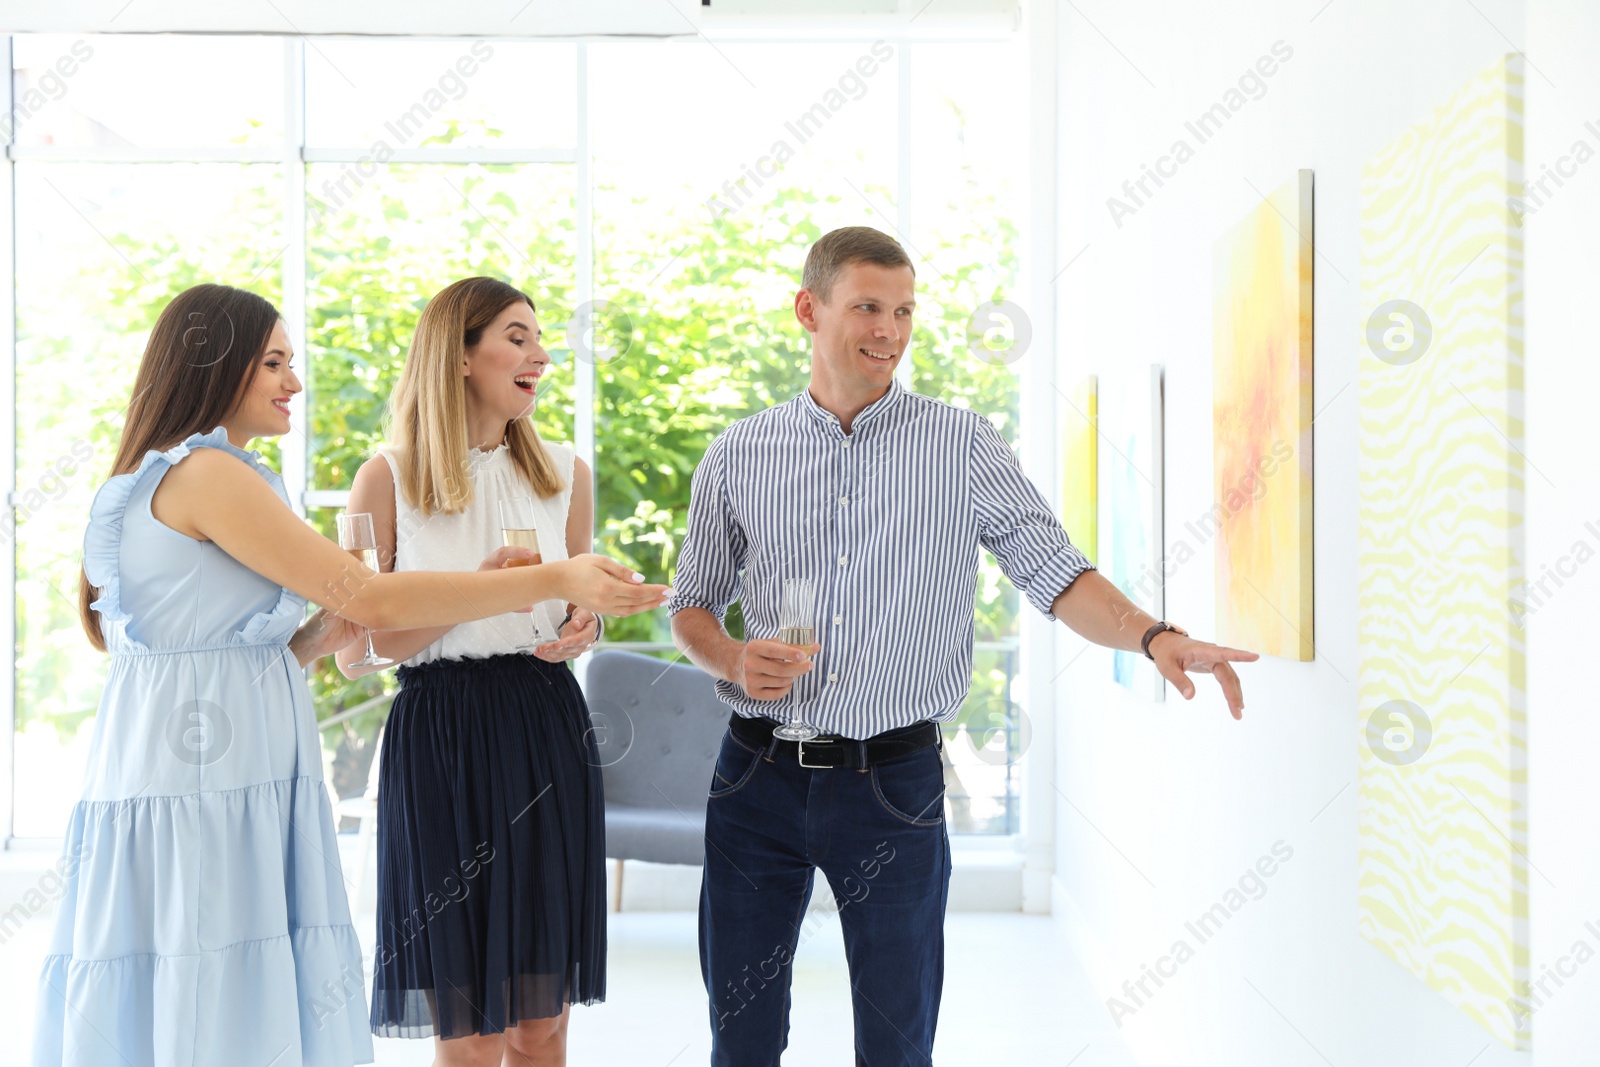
<point>637,577</point>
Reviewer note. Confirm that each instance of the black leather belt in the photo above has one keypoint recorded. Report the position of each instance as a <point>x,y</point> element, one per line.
<point>824,752</point>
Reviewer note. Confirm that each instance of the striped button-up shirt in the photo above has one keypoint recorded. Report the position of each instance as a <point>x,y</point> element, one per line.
<point>887,521</point>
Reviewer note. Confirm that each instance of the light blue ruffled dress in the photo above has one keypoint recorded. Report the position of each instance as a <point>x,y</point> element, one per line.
<point>204,920</point>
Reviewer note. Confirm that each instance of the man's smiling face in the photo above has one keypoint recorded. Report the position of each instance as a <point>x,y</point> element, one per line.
<point>861,330</point>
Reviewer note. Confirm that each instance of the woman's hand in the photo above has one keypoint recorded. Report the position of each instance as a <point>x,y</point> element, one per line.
<point>577,637</point>
<point>606,587</point>
<point>322,635</point>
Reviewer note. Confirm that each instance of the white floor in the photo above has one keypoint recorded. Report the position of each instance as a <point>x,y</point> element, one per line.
<point>1013,995</point>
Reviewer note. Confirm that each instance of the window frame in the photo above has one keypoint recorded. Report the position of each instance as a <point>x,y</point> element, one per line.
<point>294,157</point>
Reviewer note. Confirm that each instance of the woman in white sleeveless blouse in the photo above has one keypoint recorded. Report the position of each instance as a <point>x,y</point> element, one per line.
<point>491,838</point>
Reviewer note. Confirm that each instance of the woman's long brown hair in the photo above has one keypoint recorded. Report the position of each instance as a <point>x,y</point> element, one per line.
<point>428,412</point>
<point>202,355</point>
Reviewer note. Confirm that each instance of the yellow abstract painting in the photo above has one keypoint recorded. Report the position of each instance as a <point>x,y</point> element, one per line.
<point>1443,864</point>
<point>1080,466</point>
<point>1261,410</point>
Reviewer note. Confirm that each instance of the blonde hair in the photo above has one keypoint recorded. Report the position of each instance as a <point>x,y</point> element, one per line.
<point>427,424</point>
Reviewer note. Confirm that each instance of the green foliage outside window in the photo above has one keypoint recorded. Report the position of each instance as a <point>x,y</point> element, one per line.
<point>702,341</point>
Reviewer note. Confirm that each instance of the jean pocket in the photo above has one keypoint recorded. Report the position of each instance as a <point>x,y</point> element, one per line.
<point>736,762</point>
<point>911,788</point>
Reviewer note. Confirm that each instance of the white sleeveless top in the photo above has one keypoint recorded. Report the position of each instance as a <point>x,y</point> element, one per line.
<point>460,542</point>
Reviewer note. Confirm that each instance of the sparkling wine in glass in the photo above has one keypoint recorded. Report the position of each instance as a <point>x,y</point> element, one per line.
<point>520,530</point>
<point>357,538</point>
<point>795,619</point>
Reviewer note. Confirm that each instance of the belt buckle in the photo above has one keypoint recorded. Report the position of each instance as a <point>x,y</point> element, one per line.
<point>801,753</point>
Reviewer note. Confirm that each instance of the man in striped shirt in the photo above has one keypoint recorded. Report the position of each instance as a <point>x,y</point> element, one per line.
<point>883,498</point>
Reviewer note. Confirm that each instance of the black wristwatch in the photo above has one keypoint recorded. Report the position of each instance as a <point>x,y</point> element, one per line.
<point>1159,628</point>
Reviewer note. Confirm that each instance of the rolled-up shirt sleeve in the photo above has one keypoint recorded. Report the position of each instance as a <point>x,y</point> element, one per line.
<point>713,552</point>
<point>1015,523</point>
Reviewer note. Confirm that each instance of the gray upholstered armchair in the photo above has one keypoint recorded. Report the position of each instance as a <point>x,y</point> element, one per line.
<point>658,728</point>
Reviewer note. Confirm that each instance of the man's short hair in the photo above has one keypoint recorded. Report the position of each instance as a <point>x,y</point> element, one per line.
<point>836,249</point>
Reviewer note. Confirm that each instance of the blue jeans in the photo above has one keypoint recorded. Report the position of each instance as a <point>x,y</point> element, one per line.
<point>879,837</point>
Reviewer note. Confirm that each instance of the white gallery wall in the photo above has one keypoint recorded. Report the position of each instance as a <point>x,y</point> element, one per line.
<point>1162,809</point>
<point>1564,519</point>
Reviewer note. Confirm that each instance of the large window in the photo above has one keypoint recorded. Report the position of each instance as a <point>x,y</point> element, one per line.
<point>659,194</point>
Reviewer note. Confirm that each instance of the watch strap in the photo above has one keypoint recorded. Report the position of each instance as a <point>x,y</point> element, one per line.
<point>1159,628</point>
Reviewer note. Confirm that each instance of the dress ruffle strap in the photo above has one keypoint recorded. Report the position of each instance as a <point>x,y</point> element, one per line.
<point>102,541</point>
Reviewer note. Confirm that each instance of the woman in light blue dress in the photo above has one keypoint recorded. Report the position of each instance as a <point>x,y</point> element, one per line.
<point>204,919</point>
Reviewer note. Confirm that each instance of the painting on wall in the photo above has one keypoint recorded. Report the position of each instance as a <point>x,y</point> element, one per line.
<point>1442,801</point>
<point>1080,472</point>
<point>1261,415</point>
<point>1131,542</point>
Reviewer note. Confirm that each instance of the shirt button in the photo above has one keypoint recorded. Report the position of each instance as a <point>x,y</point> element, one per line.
<point>838,620</point>
<point>847,444</point>
<point>841,561</point>
<point>843,501</point>
<point>833,677</point>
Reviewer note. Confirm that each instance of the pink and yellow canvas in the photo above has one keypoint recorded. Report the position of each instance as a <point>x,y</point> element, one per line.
<point>1261,349</point>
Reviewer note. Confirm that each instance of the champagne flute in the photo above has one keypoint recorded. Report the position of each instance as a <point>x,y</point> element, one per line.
<point>357,538</point>
<point>795,627</point>
<point>520,530</point>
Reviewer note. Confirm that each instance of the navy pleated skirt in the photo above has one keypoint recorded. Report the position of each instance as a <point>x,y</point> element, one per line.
<point>491,850</point>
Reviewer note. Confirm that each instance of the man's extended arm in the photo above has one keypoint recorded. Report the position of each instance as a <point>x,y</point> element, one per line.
<point>1098,611</point>
<point>1027,540</point>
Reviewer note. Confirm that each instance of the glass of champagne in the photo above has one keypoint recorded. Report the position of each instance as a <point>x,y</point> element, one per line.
<point>357,538</point>
<point>520,529</point>
<point>795,627</point>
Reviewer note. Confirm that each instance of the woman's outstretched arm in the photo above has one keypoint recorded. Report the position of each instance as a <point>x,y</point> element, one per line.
<point>213,496</point>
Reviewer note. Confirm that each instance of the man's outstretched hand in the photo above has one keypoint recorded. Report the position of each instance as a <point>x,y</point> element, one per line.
<point>1178,656</point>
